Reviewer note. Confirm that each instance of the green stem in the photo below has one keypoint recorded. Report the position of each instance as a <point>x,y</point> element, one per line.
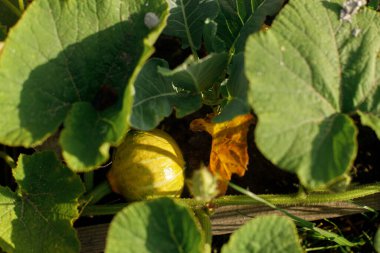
<point>189,38</point>
<point>9,160</point>
<point>88,179</point>
<point>285,199</point>
<point>96,194</point>
<point>98,210</point>
<point>303,223</point>
<point>322,248</point>
<point>204,220</point>
<point>21,5</point>
<point>14,9</point>
<point>301,199</point>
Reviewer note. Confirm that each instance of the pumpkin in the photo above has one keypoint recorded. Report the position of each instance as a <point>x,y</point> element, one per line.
<point>146,165</point>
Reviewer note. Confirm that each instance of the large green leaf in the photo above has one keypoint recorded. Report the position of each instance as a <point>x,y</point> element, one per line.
<point>155,97</point>
<point>236,21</point>
<point>197,75</point>
<point>158,225</point>
<point>307,74</point>
<point>265,234</point>
<point>67,52</point>
<point>187,19</point>
<point>38,217</point>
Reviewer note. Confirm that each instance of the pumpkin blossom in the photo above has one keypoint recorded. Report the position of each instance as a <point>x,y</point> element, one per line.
<point>229,154</point>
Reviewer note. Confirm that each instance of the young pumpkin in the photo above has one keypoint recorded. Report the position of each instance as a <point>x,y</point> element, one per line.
<point>147,165</point>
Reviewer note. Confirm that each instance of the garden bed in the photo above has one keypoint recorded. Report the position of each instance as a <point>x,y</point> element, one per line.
<point>189,126</point>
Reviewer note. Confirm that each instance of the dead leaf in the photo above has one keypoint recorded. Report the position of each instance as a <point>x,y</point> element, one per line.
<point>229,154</point>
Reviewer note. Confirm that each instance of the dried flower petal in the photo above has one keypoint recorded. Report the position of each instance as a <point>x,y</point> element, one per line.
<point>229,153</point>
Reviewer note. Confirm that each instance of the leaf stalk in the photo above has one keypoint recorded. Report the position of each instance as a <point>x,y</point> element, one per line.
<point>13,8</point>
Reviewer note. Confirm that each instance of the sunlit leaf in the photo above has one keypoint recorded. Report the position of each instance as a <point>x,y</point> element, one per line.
<point>39,216</point>
<point>265,234</point>
<point>307,74</point>
<point>229,153</point>
<point>158,225</point>
<point>72,63</point>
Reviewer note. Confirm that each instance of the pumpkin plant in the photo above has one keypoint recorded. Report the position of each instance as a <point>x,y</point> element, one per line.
<point>82,72</point>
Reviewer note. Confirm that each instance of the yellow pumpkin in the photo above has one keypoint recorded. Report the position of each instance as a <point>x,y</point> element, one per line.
<point>147,165</point>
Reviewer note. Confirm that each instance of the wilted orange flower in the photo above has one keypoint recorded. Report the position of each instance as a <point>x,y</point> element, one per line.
<point>229,153</point>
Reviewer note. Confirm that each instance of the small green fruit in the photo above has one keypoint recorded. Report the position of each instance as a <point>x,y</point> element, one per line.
<point>147,165</point>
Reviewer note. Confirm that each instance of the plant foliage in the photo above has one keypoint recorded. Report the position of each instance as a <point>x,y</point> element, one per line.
<point>71,63</point>
<point>80,70</point>
<point>38,217</point>
<point>325,73</point>
<point>155,226</point>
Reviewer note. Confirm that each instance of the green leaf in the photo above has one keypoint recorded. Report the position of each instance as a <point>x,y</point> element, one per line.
<point>158,225</point>
<point>372,121</point>
<point>237,20</point>
<point>155,97</point>
<point>67,52</point>
<point>265,234</point>
<point>237,87</point>
<point>307,74</point>
<point>83,140</point>
<point>38,217</point>
<point>374,4</point>
<point>187,18</point>
<point>211,41</point>
<point>262,9</point>
<point>195,75</point>
<point>377,241</point>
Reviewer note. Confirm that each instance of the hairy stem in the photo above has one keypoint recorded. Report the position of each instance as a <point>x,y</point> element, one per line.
<point>189,38</point>
<point>205,222</point>
<point>97,193</point>
<point>88,179</point>
<point>308,199</point>
<point>301,222</point>
<point>283,200</point>
<point>8,160</point>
